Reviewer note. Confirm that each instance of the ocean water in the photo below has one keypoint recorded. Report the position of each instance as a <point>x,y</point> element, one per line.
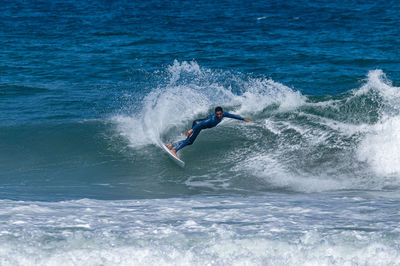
<point>88,88</point>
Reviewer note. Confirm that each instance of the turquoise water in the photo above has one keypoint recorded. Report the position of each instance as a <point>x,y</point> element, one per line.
<point>88,88</point>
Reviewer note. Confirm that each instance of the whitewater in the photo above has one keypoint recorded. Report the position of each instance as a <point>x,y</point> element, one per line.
<point>270,229</point>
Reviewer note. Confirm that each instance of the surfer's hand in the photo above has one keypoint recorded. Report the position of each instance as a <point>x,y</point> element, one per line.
<point>190,131</point>
<point>247,120</point>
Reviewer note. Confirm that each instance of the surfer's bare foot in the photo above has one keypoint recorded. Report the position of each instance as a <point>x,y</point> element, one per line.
<point>169,146</point>
<point>174,153</point>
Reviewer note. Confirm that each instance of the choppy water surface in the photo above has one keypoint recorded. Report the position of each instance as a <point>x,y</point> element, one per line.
<point>87,89</point>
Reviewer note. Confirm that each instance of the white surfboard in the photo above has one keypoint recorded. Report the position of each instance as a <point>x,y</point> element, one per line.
<point>173,157</point>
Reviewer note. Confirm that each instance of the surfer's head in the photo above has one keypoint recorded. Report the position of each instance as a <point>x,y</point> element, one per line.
<point>219,112</point>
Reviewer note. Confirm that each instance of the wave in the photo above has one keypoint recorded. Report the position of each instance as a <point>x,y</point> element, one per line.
<point>301,143</point>
<point>298,142</point>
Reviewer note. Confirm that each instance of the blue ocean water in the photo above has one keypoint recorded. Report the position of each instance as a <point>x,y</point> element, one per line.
<point>88,88</point>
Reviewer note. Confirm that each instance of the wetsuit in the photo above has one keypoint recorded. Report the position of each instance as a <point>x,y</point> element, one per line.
<point>198,125</point>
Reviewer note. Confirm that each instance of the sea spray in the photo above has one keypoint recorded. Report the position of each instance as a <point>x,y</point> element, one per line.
<point>192,92</point>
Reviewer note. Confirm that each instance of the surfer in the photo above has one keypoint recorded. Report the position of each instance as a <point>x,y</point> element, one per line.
<point>199,124</point>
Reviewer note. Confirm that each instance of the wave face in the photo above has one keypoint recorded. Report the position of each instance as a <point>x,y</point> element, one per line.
<point>297,143</point>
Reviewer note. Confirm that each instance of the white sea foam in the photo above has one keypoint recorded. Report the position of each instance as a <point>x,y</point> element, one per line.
<point>380,147</point>
<point>270,229</point>
<point>299,165</point>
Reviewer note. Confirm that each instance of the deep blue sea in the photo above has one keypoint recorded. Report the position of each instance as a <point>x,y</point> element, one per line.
<point>89,88</point>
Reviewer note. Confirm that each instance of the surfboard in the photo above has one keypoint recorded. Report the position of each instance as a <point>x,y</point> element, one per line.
<point>172,156</point>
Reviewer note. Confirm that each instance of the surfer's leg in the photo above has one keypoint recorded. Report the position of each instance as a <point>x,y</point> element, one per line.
<point>189,141</point>
<point>192,137</point>
<point>179,145</point>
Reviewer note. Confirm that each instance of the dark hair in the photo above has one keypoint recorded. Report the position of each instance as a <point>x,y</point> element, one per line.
<point>218,109</point>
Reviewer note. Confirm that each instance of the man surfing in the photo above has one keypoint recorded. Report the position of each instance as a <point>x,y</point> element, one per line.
<point>199,124</point>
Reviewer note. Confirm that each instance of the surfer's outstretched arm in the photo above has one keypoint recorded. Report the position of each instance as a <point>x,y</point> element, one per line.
<point>238,117</point>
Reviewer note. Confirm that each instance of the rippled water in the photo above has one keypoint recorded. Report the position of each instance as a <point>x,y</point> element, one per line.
<point>87,89</point>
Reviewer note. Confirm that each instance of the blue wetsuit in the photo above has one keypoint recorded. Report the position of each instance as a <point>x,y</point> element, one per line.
<point>198,125</point>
